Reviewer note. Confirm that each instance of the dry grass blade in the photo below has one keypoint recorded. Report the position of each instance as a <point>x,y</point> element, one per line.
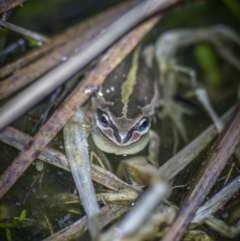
<point>106,64</point>
<point>74,231</point>
<point>41,88</point>
<point>46,63</point>
<point>216,161</point>
<point>74,38</point>
<point>9,4</point>
<point>23,31</point>
<point>19,140</point>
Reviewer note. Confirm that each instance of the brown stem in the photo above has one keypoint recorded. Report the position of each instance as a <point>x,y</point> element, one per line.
<point>92,26</point>
<point>216,161</point>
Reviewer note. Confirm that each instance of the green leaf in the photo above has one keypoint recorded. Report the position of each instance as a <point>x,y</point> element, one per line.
<point>8,234</point>
<point>23,215</point>
<point>7,225</point>
<point>207,60</point>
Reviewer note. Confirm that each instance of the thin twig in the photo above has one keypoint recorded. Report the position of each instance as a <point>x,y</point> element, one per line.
<point>49,82</point>
<point>216,161</point>
<point>23,31</point>
<point>106,64</point>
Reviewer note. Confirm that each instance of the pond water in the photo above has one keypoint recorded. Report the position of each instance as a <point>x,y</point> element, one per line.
<point>43,194</point>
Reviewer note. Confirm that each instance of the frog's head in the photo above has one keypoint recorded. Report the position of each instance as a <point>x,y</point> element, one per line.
<point>122,131</point>
<point>120,135</point>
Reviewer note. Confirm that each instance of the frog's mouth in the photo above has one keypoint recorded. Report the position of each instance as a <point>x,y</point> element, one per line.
<point>105,145</point>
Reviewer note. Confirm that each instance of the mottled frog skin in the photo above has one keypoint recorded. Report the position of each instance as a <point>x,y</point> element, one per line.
<point>124,106</point>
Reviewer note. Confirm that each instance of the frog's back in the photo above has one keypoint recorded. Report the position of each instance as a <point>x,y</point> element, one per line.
<point>131,87</point>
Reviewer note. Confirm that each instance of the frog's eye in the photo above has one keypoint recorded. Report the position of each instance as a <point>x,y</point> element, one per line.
<point>143,124</point>
<point>104,120</point>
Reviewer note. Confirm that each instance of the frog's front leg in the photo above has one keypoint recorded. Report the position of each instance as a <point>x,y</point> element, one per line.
<point>76,146</point>
<point>136,170</point>
<point>139,169</point>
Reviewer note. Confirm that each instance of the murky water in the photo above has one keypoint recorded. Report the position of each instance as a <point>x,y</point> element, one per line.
<point>43,194</point>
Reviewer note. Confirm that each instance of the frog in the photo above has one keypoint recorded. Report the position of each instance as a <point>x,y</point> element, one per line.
<point>117,119</point>
<point>124,108</point>
<point>119,116</point>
